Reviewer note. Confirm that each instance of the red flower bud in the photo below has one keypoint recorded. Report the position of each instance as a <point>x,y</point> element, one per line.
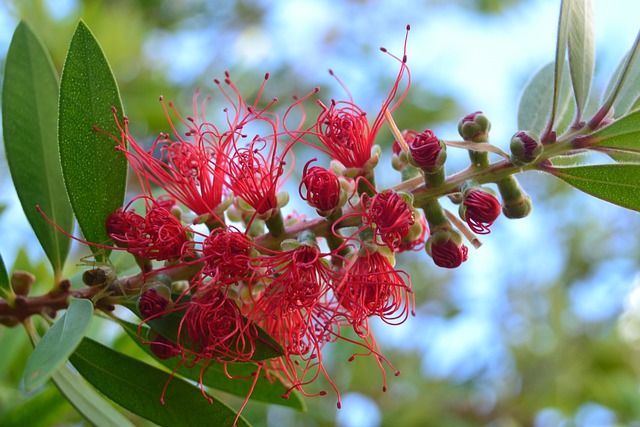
<point>480,208</point>
<point>427,151</point>
<point>125,228</point>
<point>155,299</point>
<point>163,348</point>
<point>446,248</point>
<point>322,188</point>
<point>525,148</point>
<point>474,127</point>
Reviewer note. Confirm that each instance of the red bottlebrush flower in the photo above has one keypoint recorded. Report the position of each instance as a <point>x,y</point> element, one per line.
<point>215,329</point>
<point>188,170</point>
<point>390,215</point>
<point>254,176</point>
<point>167,235</point>
<point>480,209</point>
<point>372,287</point>
<point>427,151</point>
<point>322,188</point>
<point>154,301</point>
<point>343,128</point>
<point>446,248</point>
<point>126,228</point>
<point>226,254</point>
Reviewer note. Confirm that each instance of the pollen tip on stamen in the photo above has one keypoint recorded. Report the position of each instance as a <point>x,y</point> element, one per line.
<point>384,388</point>
<point>274,99</point>
<point>114,109</point>
<point>404,58</point>
<point>322,393</point>
<point>339,405</point>
<point>316,89</point>
<point>408,27</point>
<point>227,81</point>
<point>383,49</point>
<point>226,74</point>
<point>216,81</point>
<point>161,98</point>
<point>266,76</point>
<point>331,72</point>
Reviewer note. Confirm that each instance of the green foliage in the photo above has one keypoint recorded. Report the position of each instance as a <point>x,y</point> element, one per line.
<point>537,97</point>
<point>94,171</point>
<point>58,343</point>
<point>618,184</point>
<point>240,382</point>
<point>87,401</point>
<point>148,391</point>
<point>622,135</point>
<point>581,44</point>
<point>29,120</point>
<point>5,286</point>
<point>623,90</point>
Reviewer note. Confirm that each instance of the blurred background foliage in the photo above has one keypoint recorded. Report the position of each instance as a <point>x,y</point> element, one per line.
<point>540,327</point>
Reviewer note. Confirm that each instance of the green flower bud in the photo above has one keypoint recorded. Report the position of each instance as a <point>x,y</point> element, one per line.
<point>525,148</point>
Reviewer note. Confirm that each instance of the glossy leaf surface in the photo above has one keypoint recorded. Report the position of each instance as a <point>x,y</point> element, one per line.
<point>29,121</point>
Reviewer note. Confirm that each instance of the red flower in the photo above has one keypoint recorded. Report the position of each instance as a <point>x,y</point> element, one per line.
<point>126,228</point>
<point>322,188</point>
<point>427,151</point>
<point>343,128</point>
<point>372,287</point>
<point>480,209</point>
<point>226,255</point>
<point>163,348</point>
<point>390,215</point>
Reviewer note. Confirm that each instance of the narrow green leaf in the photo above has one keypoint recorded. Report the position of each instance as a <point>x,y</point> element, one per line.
<point>94,171</point>
<point>140,388</point>
<point>581,52</point>
<point>215,376</point>
<point>536,100</point>
<point>623,134</point>
<point>630,90</point>
<point>6,291</point>
<point>167,326</point>
<point>559,64</point>
<point>623,91</point>
<point>58,343</point>
<point>29,121</point>
<point>617,183</point>
<point>87,401</point>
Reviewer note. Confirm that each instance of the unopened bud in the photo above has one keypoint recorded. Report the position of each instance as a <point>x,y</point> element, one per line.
<point>427,152</point>
<point>161,347</point>
<point>480,208</point>
<point>525,148</point>
<point>21,282</point>
<point>474,127</point>
<point>446,248</point>
<point>155,300</point>
<point>515,202</point>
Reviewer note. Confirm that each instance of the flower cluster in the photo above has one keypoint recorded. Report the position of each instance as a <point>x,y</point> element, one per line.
<point>212,199</point>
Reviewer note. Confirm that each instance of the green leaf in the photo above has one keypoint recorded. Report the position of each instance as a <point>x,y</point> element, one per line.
<point>536,100</point>
<point>6,291</point>
<point>29,121</point>
<point>581,52</point>
<point>617,183</point>
<point>623,134</point>
<point>140,388</point>
<point>58,343</point>
<point>630,91</point>
<point>558,67</point>
<point>87,401</point>
<point>167,326</point>
<point>623,91</point>
<point>215,376</point>
<point>95,173</point>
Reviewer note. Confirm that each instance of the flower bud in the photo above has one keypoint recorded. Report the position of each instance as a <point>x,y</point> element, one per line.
<point>21,282</point>
<point>474,127</point>
<point>525,148</point>
<point>155,300</point>
<point>427,152</point>
<point>323,190</point>
<point>515,202</point>
<point>161,347</point>
<point>446,248</point>
<point>480,208</point>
